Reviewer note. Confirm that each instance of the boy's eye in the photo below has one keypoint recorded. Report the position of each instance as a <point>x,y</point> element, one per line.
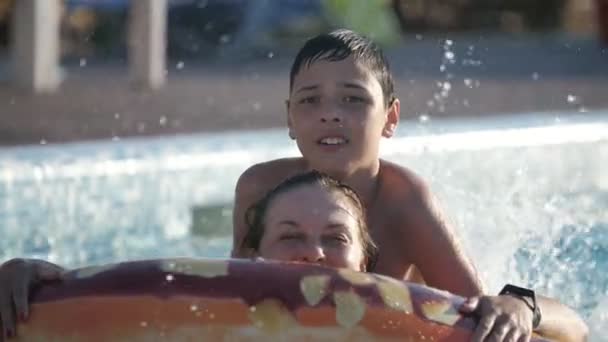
<point>353,99</point>
<point>309,100</point>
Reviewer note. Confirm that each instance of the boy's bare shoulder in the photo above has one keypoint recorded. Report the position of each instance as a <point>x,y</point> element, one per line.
<point>401,182</point>
<point>268,174</point>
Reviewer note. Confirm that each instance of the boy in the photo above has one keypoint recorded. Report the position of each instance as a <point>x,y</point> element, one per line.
<point>341,103</point>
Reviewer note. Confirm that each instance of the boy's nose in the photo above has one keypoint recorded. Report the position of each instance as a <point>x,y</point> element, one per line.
<point>330,113</point>
<point>328,118</point>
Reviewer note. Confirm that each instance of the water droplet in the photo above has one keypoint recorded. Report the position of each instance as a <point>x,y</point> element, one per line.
<point>449,55</point>
<point>442,67</point>
<point>211,315</point>
<point>535,76</point>
<point>257,106</point>
<point>42,142</point>
<point>448,42</point>
<point>193,307</point>
<point>447,86</point>
<point>162,121</point>
<point>170,277</point>
<point>115,138</point>
<point>116,115</point>
<point>583,110</point>
<point>468,82</point>
<point>83,62</point>
<point>471,62</point>
<point>423,118</point>
<point>419,37</point>
<point>470,50</point>
<point>572,98</point>
<point>252,308</point>
<point>179,65</point>
<point>465,102</point>
<point>270,54</point>
<point>225,39</point>
<point>143,324</point>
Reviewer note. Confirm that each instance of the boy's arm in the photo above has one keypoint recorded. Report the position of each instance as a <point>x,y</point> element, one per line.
<point>434,247</point>
<point>246,193</point>
<point>513,316</point>
<point>559,322</point>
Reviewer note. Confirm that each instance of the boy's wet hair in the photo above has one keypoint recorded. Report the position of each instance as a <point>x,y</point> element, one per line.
<point>255,215</point>
<point>339,45</point>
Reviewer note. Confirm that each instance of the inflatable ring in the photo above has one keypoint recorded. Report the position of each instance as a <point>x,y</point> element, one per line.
<point>239,300</point>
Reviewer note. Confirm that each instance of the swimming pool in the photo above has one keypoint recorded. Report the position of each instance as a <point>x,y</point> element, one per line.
<point>528,193</point>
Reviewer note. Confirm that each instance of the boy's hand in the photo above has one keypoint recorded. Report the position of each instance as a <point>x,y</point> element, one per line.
<point>501,318</point>
<point>17,277</point>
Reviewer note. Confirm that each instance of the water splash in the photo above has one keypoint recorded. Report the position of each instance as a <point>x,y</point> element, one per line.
<point>539,186</point>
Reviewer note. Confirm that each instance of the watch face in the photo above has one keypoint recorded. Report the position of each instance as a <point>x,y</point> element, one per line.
<point>528,296</point>
<point>536,319</point>
<point>519,291</point>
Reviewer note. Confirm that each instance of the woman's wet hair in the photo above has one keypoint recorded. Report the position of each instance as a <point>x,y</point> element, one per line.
<point>255,215</point>
<point>339,45</point>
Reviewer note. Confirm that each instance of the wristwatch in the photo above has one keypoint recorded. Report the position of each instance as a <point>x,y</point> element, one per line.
<point>527,296</point>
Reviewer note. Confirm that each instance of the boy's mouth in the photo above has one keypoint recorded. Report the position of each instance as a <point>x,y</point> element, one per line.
<point>332,141</point>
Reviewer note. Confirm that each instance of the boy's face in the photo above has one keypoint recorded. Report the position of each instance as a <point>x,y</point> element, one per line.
<point>337,114</point>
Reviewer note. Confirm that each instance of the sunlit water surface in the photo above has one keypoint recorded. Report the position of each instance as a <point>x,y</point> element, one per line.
<point>528,194</point>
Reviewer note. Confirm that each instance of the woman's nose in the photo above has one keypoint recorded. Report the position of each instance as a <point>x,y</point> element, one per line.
<point>311,253</point>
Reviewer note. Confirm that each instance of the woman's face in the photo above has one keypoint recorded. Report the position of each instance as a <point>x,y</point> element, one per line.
<point>308,223</point>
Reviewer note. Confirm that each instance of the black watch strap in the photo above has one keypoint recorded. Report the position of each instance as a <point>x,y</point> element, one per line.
<point>527,296</point>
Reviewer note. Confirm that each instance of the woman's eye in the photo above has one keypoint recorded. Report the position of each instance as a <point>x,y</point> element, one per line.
<point>288,237</point>
<point>338,239</point>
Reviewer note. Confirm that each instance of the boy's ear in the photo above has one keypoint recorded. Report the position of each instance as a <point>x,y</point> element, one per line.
<point>392,119</point>
<point>363,266</point>
<point>292,134</point>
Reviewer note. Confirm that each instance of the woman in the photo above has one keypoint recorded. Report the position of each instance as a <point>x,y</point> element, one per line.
<point>313,218</point>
